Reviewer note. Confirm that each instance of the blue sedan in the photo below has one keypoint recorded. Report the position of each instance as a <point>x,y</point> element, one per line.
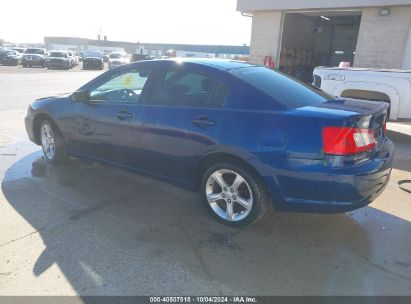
<point>245,136</point>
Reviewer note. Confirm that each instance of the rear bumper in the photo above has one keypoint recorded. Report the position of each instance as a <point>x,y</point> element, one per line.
<point>312,186</point>
<point>92,65</point>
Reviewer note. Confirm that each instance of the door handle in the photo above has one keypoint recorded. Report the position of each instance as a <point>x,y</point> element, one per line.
<point>203,122</point>
<point>123,115</point>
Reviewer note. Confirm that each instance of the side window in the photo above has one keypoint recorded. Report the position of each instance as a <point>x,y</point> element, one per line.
<point>181,87</point>
<point>126,87</point>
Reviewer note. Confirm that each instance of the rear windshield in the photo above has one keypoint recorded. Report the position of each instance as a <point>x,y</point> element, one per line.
<point>283,88</point>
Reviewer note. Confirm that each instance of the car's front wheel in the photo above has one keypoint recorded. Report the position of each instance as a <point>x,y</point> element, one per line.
<point>52,142</point>
<point>234,195</point>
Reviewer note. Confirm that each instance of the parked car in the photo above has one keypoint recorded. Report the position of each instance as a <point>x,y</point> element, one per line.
<point>34,57</point>
<point>139,57</point>
<point>93,60</point>
<point>117,58</point>
<point>244,135</point>
<point>72,59</point>
<point>58,59</point>
<point>76,58</point>
<point>390,86</point>
<point>10,57</point>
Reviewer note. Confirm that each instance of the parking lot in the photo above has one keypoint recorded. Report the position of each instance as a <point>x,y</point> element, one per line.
<point>86,229</point>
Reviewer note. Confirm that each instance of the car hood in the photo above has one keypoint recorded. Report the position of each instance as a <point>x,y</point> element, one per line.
<point>118,61</point>
<point>94,58</point>
<point>8,56</point>
<point>56,97</point>
<point>29,54</point>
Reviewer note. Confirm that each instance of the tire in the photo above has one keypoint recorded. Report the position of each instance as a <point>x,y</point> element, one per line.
<point>250,191</point>
<point>52,143</point>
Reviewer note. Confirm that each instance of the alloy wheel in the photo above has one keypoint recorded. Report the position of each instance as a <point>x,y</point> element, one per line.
<point>47,141</point>
<point>229,195</point>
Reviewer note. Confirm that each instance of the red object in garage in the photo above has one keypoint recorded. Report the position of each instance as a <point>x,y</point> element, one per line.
<point>345,64</point>
<point>268,62</point>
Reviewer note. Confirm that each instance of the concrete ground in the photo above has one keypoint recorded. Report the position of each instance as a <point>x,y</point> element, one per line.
<point>87,229</point>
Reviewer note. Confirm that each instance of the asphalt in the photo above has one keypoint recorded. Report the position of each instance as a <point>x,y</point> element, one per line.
<point>87,229</point>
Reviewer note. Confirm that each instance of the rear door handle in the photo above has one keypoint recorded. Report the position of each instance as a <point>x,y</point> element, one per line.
<point>124,115</point>
<point>203,122</point>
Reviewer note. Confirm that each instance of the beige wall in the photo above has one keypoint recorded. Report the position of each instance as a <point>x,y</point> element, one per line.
<point>382,40</point>
<point>266,36</point>
<point>406,63</point>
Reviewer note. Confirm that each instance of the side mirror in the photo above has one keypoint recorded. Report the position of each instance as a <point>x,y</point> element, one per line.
<point>81,96</point>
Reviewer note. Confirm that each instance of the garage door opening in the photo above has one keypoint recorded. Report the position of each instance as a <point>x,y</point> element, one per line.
<point>312,39</point>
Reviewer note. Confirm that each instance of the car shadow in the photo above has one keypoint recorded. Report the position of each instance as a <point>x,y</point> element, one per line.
<point>402,143</point>
<point>111,232</point>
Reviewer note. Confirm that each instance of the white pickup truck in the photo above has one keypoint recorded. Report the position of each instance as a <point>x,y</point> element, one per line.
<point>392,86</point>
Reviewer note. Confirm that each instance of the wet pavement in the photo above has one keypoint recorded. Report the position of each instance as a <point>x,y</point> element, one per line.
<point>88,229</point>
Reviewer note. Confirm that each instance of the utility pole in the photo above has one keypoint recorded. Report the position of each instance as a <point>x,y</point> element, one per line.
<point>101,50</point>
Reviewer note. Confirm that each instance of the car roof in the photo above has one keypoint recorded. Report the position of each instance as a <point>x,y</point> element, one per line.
<point>222,64</point>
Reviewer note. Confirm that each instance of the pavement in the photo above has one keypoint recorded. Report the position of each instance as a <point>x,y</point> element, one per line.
<point>87,229</point>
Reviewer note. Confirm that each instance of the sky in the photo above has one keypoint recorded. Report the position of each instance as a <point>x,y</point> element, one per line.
<point>156,21</point>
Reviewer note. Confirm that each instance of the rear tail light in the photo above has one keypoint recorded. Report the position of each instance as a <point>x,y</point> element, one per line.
<point>347,141</point>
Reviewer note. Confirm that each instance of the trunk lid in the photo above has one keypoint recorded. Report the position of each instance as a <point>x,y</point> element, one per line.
<point>346,114</point>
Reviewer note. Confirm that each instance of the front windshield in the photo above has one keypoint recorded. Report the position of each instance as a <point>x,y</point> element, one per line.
<point>116,56</point>
<point>12,53</point>
<point>58,54</point>
<point>35,51</point>
<point>91,54</point>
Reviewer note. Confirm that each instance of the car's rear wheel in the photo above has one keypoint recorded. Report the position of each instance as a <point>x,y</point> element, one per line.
<point>233,195</point>
<point>52,142</point>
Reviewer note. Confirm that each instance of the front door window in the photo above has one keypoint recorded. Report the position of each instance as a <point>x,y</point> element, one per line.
<point>123,88</point>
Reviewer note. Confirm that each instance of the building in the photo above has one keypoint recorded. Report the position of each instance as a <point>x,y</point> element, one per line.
<point>301,34</point>
<point>153,49</point>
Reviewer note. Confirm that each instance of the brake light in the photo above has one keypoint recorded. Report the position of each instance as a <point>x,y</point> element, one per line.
<point>347,141</point>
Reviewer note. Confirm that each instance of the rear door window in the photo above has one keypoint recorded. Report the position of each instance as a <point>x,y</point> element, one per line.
<point>282,88</point>
<point>182,87</point>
